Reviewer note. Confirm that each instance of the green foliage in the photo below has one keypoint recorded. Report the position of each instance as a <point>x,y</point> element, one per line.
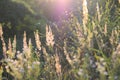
<point>18,16</point>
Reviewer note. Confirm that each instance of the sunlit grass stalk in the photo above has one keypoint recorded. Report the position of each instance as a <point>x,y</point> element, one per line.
<point>79,33</point>
<point>85,16</point>
<point>57,64</point>
<point>1,31</point>
<point>29,49</point>
<point>4,47</point>
<point>49,36</point>
<point>9,52</point>
<point>98,12</point>
<point>10,45</point>
<point>105,29</point>
<point>37,40</point>
<point>3,42</point>
<point>46,55</point>
<point>116,53</point>
<point>25,46</point>
<point>67,55</point>
<point>14,45</point>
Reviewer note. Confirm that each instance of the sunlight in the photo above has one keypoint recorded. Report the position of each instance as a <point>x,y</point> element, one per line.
<point>63,3</point>
<point>60,6</point>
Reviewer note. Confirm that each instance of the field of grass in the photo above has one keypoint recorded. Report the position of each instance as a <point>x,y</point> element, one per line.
<point>92,52</point>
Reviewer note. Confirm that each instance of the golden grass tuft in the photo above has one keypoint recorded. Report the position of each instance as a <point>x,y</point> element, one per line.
<point>49,36</point>
<point>37,40</point>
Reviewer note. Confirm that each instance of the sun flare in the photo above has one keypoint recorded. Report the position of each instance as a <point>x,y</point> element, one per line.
<point>62,3</point>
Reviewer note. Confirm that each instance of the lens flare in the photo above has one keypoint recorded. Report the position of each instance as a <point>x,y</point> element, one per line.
<point>64,3</point>
<point>60,7</point>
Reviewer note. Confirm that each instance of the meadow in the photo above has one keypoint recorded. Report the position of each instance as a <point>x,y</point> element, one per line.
<point>91,51</point>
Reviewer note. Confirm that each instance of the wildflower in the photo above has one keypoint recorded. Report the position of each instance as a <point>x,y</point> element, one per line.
<point>49,36</point>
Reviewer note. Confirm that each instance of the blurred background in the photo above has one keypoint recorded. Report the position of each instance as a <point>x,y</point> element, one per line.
<point>17,16</point>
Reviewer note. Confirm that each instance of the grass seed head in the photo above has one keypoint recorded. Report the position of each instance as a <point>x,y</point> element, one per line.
<point>49,37</point>
<point>1,31</point>
<point>37,40</point>
<point>57,64</point>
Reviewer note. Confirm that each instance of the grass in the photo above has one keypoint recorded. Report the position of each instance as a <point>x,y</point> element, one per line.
<point>92,52</point>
